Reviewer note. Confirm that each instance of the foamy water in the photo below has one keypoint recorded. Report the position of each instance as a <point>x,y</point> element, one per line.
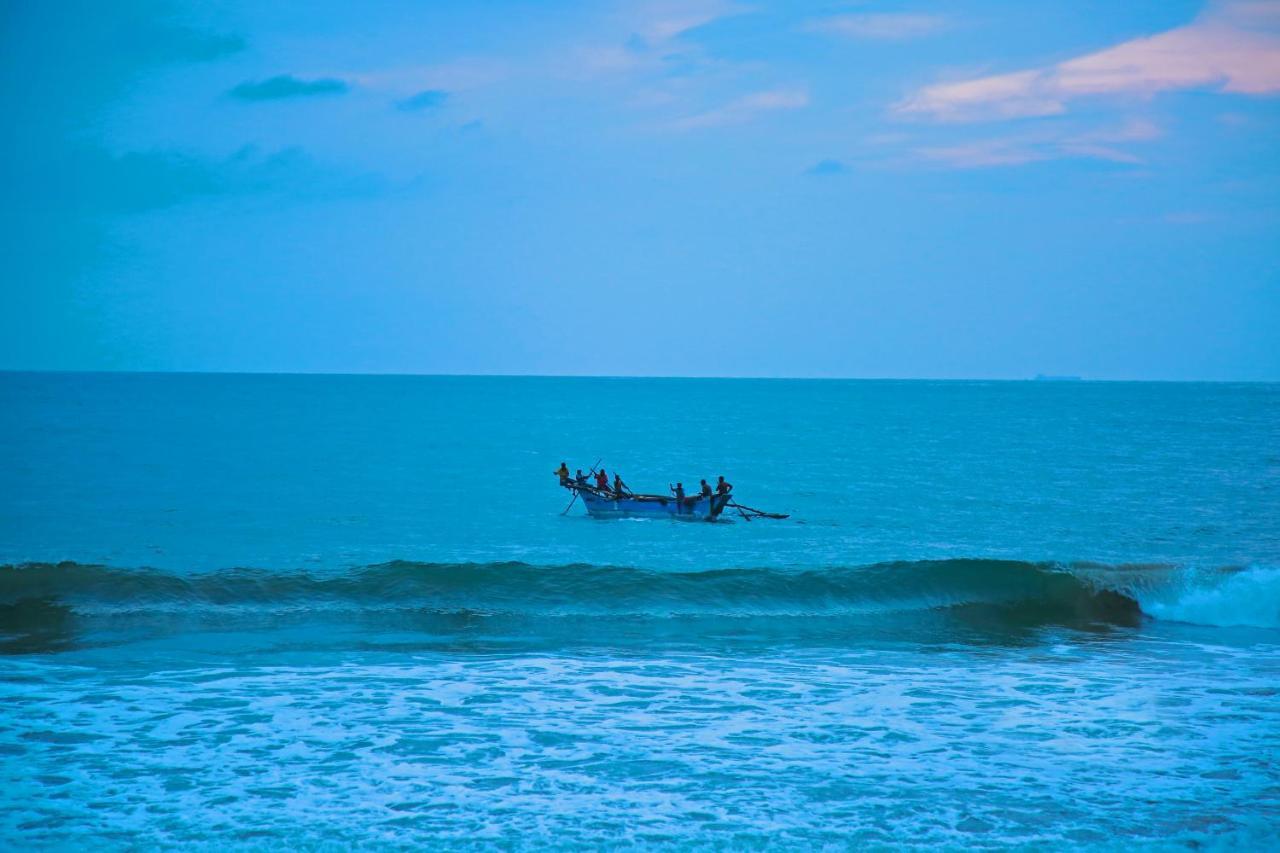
<point>1249,598</point>
<point>1070,743</point>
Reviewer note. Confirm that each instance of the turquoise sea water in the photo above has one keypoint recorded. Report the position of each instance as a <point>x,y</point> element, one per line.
<point>310,611</point>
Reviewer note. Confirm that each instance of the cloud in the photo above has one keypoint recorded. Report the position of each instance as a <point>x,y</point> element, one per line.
<point>643,38</point>
<point>1107,144</point>
<point>633,55</point>
<point>983,153</point>
<point>98,183</point>
<point>888,26</point>
<point>428,99</point>
<point>592,60</point>
<point>288,86</point>
<point>185,44</point>
<point>460,75</point>
<point>664,20</point>
<point>1232,47</point>
<point>826,167</point>
<point>746,108</point>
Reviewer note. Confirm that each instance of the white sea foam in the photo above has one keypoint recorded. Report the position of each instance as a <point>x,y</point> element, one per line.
<point>879,748</point>
<point>1248,598</point>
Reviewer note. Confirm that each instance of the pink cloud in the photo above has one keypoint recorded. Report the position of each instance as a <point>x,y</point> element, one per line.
<point>881,25</point>
<point>1232,47</point>
<point>746,108</point>
<point>984,153</point>
<point>662,20</point>
<point>1110,144</point>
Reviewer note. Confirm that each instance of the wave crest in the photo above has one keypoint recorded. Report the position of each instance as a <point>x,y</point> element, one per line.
<point>996,591</point>
<point>520,587</point>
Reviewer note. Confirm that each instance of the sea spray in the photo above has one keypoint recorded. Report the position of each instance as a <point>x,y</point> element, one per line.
<point>1248,597</point>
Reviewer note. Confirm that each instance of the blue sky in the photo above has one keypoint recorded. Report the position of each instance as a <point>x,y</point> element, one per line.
<point>932,189</point>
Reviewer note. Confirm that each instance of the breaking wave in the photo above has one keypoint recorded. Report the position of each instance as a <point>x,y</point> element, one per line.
<point>1036,591</point>
<point>1226,598</point>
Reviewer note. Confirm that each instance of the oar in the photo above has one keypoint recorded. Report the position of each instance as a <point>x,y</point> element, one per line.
<point>759,512</point>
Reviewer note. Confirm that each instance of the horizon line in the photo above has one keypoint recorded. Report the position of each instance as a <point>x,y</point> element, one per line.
<point>1067,379</point>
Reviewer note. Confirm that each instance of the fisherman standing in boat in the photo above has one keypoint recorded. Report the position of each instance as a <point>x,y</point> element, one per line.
<point>678,491</point>
<point>580,478</point>
<point>563,473</point>
<point>706,489</point>
<point>619,488</point>
<point>602,481</point>
<point>722,487</point>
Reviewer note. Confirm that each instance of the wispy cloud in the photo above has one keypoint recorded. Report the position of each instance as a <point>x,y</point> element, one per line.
<point>428,99</point>
<point>983,153</point>
<point>640,56</point>
<point>644,38</point>
<point>746,108</point>
<point>824,168</point>
<point>889,26</point>
<point>666,19</point>
<point>1111,144</point>
<point>591,61</point>
<point>287,86</point>
<point>1231,47</point>
<point>456,78</point>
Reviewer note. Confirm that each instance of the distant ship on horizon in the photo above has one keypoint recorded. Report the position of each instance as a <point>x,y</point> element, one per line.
<point>1041,377</point>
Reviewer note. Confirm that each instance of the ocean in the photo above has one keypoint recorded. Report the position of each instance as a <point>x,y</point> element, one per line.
<point>322,612</point>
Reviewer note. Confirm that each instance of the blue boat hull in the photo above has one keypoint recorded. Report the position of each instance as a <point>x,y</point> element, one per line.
<point>691,508</point>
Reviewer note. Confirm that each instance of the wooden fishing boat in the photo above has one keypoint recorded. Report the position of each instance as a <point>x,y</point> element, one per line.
<point>603,502</point>
<point>692,508</point>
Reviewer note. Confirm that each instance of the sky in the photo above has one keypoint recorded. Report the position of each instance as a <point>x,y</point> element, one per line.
<point>964,189</point>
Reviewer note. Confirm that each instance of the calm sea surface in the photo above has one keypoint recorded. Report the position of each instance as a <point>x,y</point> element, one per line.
<point>325,611</point>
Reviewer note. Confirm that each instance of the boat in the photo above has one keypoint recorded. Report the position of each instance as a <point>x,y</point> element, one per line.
<point>603,502</point>
<point>692,508</point>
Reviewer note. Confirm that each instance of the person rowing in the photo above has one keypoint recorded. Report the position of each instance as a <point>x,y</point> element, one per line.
<point>619,488</point>
<point>581,478</point>
<point>602,481</point>
<point>722,486</point>
<point>563,473</point>
<point>706,489</point>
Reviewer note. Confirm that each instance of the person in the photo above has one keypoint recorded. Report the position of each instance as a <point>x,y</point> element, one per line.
<point>619,487</point>
<point>563,473</point>
<point>722,487</point>
<point>602,481</point>
<point>580,478</point>
<point>706,489</point>
<point>679,493</point>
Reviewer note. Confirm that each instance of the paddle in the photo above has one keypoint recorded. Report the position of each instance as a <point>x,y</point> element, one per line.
<point>759,513</point>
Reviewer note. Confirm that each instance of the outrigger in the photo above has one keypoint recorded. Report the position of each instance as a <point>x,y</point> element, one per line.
<point>607,503</point>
